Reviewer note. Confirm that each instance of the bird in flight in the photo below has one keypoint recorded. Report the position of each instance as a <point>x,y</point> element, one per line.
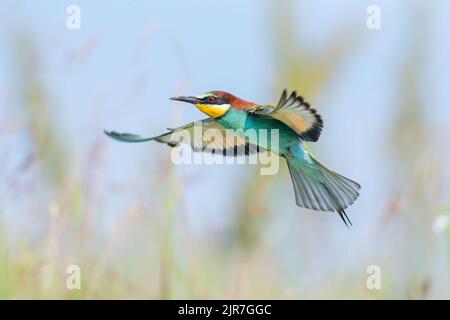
<point>315,186</point>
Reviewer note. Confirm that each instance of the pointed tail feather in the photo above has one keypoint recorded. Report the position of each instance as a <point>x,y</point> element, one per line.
<point>322,189</point>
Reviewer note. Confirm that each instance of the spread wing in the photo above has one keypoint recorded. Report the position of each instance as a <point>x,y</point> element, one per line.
<point>296,114</point>
<point>205,135</point>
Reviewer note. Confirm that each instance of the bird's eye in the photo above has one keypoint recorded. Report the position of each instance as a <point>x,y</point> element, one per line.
<point>210,99</point>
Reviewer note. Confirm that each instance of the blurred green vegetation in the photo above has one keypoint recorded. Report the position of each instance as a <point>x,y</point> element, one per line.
<point>152,254</point>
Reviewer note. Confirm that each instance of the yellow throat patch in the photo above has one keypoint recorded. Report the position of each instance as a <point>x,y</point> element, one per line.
<point>213,111</point>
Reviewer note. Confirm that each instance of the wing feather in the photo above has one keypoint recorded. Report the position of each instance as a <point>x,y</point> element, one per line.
<point>297,114</point>
<point>211,137</point>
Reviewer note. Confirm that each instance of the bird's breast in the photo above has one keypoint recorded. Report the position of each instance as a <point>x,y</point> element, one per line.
<point>233,119</point>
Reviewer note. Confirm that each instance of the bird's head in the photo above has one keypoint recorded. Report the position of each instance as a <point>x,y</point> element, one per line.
<point>215,103</point>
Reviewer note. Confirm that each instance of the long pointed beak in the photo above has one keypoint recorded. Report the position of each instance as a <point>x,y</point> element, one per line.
<point>192,100</point>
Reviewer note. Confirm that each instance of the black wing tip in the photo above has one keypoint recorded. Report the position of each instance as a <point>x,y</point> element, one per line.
<point>114,134</point>
<point>314,111</point>
<point>111,134</point>
<point>283,97</point>
<point>313,134</point>
<point>293,95</point>
<point>123,137</point>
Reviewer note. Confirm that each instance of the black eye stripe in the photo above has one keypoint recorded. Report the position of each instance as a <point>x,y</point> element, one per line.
<point>215,100</point>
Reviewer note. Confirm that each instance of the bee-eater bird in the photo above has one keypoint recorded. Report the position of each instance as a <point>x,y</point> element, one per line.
<point>315,186</point>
